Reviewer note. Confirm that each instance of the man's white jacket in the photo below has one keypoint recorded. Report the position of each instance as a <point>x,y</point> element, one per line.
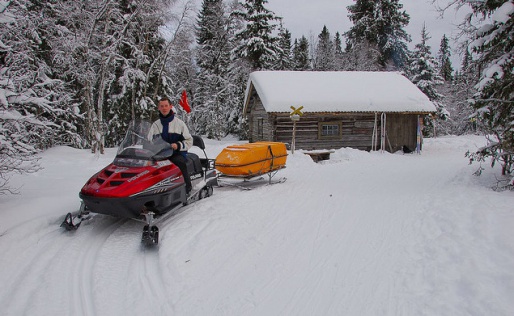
<point>177,132</point>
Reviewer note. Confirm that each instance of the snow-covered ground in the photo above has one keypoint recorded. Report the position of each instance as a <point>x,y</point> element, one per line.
<point>360,234</point>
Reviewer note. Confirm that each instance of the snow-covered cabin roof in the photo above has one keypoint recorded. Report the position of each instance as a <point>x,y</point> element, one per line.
<point>337,91</point>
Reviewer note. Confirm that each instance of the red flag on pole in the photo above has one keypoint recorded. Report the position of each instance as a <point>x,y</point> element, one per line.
<point>183,102</point>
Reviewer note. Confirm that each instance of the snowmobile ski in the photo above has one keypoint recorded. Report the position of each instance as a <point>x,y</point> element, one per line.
<point>68,223</point>
<point>73,222</point>
<point>150,235</point>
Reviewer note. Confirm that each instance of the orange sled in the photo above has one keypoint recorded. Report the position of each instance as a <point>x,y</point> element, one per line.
<point>253,159</point>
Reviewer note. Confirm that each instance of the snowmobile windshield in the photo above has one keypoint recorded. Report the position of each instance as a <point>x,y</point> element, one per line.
<point>138,148</point>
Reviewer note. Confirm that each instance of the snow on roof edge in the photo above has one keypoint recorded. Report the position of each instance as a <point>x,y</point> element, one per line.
<point>342,91</point>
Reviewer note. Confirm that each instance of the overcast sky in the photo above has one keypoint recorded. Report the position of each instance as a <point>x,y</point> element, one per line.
<point>307,17</point>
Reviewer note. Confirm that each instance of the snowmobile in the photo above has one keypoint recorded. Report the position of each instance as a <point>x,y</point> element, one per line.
<point>143,184</point>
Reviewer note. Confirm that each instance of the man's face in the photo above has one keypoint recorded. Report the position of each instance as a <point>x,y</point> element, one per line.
<point>164,107</point>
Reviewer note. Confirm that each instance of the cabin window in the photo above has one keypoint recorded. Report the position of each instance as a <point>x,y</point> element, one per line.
<point>260,128</point>
<point>329,130</point>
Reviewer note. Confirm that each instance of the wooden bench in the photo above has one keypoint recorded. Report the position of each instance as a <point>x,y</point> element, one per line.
<point>318,155</point>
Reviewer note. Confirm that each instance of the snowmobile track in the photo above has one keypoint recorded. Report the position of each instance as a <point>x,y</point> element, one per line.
<point>82,297</point>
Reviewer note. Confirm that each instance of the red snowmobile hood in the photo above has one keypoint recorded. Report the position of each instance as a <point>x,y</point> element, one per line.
<point>119,181</point>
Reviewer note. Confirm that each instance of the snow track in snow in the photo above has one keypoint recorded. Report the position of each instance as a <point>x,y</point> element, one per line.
<point>29,270</point>
<point>53,255</point>
<point>88,249</point>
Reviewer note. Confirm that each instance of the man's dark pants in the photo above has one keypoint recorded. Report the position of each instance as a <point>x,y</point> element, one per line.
<point>181,163</point>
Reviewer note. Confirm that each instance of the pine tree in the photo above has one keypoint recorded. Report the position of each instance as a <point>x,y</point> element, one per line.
<point>380,23</point>
<point>31,64</point>
<point>139,76</point>
<point>210,112</point>
<point>181,72</point>
<point>113,57</point>
<point>494,103</point>
<point>423,74</point>
<point>461,89</point>
<point>445,64</point>
<point>258,44</point>
<point>284,57</point>
<point>301,54</point>
<point>363,56</point>
<point>467,60</point>
<point>338,53</point>
<point>325,52</point>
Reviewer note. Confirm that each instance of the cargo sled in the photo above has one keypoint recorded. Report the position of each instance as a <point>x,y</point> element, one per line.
<point>250,161</point>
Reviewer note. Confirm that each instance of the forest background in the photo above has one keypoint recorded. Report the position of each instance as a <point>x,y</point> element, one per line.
<point>76,72</point>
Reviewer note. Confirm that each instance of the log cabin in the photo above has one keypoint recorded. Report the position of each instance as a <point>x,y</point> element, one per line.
<point>362,110</point>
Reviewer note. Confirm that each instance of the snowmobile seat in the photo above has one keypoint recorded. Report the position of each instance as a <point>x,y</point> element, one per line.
<point>198,142</point>
<point>193,163</point>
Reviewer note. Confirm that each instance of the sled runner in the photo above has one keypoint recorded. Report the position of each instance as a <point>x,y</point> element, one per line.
<point>142,184</point>
<point>248,183</point>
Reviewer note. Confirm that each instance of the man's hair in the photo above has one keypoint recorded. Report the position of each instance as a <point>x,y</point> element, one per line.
<point>165,99</point>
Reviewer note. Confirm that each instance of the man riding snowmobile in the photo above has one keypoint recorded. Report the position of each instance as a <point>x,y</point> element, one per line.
<point>175,132</point>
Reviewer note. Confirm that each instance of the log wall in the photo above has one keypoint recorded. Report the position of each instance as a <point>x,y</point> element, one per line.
<point>356,129</point>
